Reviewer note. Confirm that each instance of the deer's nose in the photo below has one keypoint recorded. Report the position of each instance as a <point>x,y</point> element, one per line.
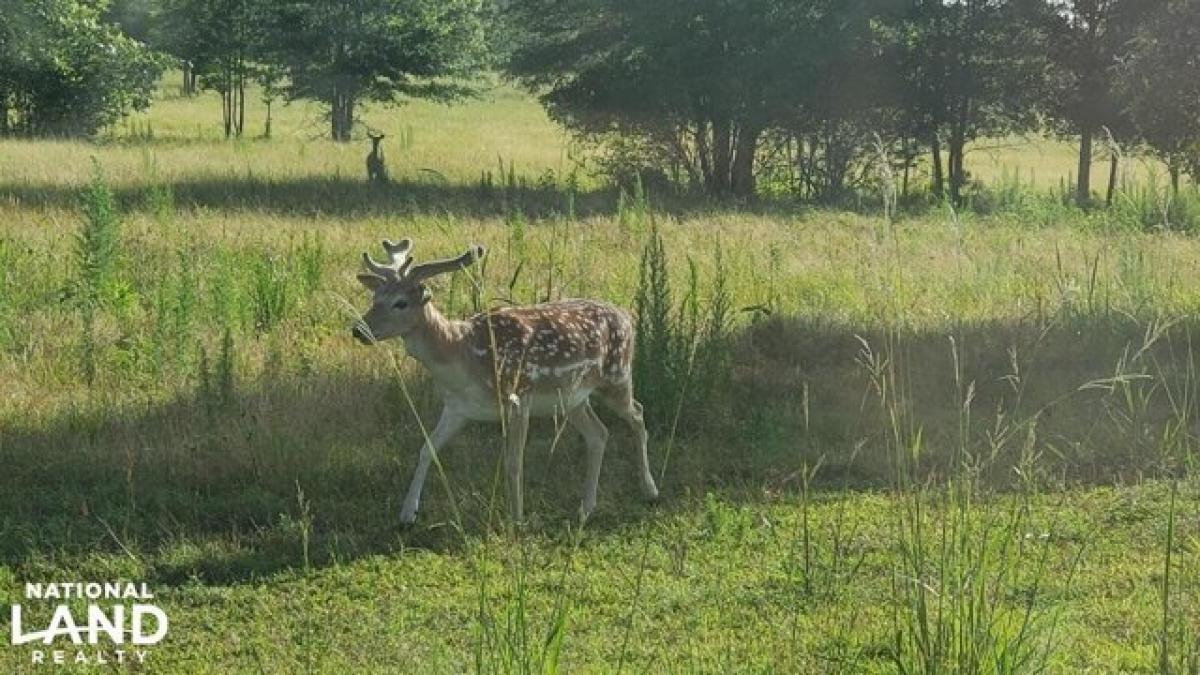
<point>360,334</point>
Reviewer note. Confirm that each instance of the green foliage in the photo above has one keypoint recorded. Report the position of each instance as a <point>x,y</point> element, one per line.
<point>65,72</point>
<point>1160,83</point>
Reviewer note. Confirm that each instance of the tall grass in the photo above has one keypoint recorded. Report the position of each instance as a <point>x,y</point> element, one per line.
<point>8,262</point>
<point>270,292</point>
<point>966,580</point>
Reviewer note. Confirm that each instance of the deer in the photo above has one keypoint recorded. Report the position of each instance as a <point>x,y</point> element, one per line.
<point>376,169</point>
<point>507,365</point>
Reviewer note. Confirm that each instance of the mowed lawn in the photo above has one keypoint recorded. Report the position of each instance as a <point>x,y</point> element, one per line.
<point>944,443</point>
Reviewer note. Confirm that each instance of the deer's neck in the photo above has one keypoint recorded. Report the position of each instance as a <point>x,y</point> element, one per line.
<point>436,340</point>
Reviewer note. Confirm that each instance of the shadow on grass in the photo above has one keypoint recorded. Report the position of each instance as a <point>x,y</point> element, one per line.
<point>426,193</point>
<point>310,470</point>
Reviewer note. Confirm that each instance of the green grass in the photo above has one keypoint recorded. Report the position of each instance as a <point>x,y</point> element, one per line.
<point>942,444</point>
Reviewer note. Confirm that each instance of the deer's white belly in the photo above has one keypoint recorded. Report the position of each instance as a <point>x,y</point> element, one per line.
<point>482,406</point>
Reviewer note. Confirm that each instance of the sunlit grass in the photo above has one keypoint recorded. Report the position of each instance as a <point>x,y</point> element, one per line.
<point>246,457</point>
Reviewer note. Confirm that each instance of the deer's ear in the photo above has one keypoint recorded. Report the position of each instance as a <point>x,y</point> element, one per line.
<point>372,282</point>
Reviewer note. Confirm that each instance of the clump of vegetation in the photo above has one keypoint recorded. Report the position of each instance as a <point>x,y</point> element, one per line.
<point>96,260</point>
<point>682,345</point>
<point>270,291</point>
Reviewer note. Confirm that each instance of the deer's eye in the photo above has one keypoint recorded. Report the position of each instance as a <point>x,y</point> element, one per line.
<point>400,304</point>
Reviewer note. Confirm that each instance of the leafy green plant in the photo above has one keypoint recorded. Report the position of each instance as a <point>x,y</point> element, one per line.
<point>97,248</point>
<point>676,342</point>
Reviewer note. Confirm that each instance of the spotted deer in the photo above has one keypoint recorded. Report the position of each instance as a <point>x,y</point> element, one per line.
<point>376,169</point>
<point>507,365</point>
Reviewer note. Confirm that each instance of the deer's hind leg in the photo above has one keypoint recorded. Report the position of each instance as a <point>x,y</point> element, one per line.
<point>619,398</point>
<point>516,433</point>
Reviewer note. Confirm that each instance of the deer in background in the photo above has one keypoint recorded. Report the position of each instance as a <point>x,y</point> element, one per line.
<point>376,169</point>
<point>508,365</point>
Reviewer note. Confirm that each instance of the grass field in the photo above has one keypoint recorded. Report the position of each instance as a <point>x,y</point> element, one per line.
<point>936,443</point>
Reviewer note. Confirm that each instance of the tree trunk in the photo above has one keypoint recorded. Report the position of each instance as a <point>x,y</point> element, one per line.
<point>957,174</point>
<point>3,113</point>
<point>1112,180</point>
<point>742,180</point>
<point>722,155</point>
<point>939,181</point>
<point>1083,188</point>
<point>341,116</point>
<point>267,123</point>
<point>241,91</point>
<point>702,153</point>
<point>227,107</point>
<point>1173,168</point>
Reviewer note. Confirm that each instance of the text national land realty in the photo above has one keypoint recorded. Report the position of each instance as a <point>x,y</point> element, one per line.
<point>116,614</point>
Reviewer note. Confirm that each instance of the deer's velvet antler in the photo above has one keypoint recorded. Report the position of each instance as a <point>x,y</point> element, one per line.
<point>399,259</point>
<point>435,267</point>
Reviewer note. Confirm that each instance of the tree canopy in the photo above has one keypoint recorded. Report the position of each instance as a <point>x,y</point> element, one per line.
<point>343,52</point>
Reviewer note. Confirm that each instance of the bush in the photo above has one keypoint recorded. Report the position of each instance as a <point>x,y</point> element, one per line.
<point>65,72</point>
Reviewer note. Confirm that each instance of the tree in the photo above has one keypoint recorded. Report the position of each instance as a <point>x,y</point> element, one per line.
<point>692,83</point>
<point>63,71</point>
<point>218,42</point>
<point>972,68</point>
<point>1160,85</point>
<point>1089,40</point>
<point>135,18</point>
<point>836,122</point>
<point>343,52</point>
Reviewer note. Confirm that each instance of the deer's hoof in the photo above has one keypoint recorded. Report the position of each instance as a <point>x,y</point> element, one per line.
<point>408,516</point>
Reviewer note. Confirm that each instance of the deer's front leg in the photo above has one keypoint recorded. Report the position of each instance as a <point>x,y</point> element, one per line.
<point>516,431</point>
<point>448,425</point>
<point>585,421</point>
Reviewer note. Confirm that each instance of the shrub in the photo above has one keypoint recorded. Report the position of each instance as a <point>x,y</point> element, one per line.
<point>682,351</point>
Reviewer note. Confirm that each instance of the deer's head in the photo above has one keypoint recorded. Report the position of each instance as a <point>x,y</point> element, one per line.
<point>398,290</point>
